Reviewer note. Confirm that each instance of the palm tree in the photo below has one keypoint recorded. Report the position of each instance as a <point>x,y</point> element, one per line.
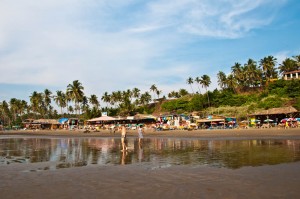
<point>136,92</point>
<point>13,108</point>
<point>190,81</point>
<point>94,101</point>
<point>6,114</point>
<point>47,99</point>
<point>198,80</point>
<point>71,109</point>
<point>153,88</point>
<point>252,73</point>
<point>237,71</point>
<point>297,59</point>
<point>231,82</point>
<point>221,79</point>
<point>145,98</point>
<point>267,64</point>
<point>75,91</point>
<point>106,98</point>
<point>205,81</point>
<point>288,65</point>
<point>84,104</point>
<point>183,92</point>
<point>37,103</point>
<point>158,92</point>
<point>60,100</point>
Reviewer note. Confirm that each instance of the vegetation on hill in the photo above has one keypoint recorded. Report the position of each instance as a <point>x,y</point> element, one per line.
<point>252,86</point>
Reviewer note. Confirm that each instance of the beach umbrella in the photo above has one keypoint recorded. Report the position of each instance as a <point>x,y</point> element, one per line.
<point>268,120</point>
<point>244,121</point>
<point>291,119</point>
<point>284,120</point>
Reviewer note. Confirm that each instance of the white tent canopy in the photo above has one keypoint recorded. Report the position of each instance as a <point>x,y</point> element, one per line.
<point>102,118</point>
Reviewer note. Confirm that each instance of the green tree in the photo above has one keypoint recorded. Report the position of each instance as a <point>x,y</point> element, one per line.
<point>287,65</point>
<point>267,64</point>
<point>153,88</point>
<point>190,81</point>
<point>75,92</point>
<point>60,100</point>
<point>221,79</point>
<point>94,101</point>
<point>205,82</point>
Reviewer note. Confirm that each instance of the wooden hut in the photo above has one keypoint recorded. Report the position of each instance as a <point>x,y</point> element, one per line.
<point>45,124</point>
<point>276,114</point>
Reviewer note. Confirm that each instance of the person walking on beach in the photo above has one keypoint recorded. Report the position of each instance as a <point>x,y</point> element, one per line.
<point>140,133</point>
<point>123,138</point>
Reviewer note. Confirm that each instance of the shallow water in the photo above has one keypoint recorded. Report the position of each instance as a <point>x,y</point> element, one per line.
<point>152,152</point>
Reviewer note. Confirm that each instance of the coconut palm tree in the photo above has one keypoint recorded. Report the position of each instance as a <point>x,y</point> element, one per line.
<point>287,65</point>
<point>37,103</point>
<point>75,91</point>
<point>13,107</point>
<point>198,80</point>
<point>106,98</point>
<point>94,101</point>
<point>47,99</point>
<point>60,100</point>
<point>71,109</point>
<point>231,82</point>
<point>252,73</point>
<point>190,81</point>
<point>136,92</point>
<point>205,82</point>
<point>267,64</point>
<point>145,98</point>
<point>221,79</point>
<point>158,92</point>
<point>183,92</point>
<point>6,114</point>
<point>238,73</point>
<point>297,59</point>
<point>153,88</point>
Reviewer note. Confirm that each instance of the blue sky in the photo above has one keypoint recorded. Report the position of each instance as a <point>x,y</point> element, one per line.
<point>111,45</point>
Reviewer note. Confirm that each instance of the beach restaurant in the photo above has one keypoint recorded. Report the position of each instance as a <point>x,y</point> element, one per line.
<point>41,124</point>
<point>275,115</point>
<point>136,119</point>
<point>216,122</point>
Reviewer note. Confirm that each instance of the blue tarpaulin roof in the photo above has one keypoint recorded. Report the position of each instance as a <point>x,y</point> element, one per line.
<point>63,120</point>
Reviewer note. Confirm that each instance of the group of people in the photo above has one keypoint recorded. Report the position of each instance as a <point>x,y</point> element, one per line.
<point>124,133</point>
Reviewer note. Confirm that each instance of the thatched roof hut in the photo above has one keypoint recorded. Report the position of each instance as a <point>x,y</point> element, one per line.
<point>276,111</point>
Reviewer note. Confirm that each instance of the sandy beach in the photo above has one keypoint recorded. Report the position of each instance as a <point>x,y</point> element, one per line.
<point>133,181</point>
<point>276,133</point>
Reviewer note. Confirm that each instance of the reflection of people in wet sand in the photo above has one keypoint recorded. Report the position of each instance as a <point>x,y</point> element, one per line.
<point>123,138</point>
<point>140,133</point>
<point>124,153</point>
<point>140,153</point>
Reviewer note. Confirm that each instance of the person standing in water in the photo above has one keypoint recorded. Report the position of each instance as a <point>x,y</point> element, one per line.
<point>140,133</point>
<point>123,138</point>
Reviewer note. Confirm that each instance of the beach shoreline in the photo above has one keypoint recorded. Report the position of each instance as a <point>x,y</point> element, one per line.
<point>272,133</point>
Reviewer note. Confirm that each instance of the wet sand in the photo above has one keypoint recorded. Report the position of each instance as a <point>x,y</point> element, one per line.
<point>279,181</point>
<point>293,133</point>
<point>133,181</point>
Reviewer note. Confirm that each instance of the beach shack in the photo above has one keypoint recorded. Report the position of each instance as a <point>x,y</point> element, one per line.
<point>273,116</point>
<point>44,124</point>
<point>216,122</point>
